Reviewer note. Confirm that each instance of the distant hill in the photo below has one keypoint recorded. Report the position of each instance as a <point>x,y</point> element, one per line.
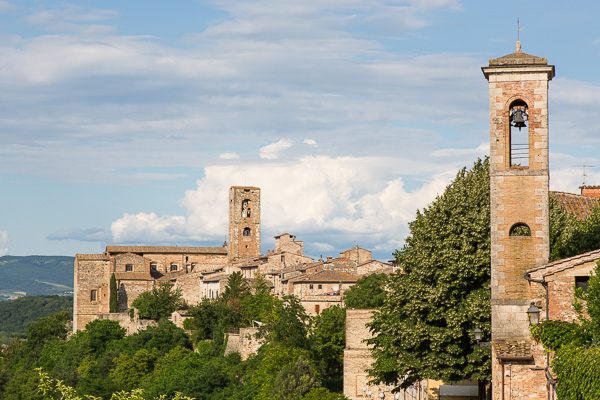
<point>35,275</point>
<point>16,315</point>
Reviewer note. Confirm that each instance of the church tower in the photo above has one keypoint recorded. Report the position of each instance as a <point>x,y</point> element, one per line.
<point>244,222</point>
<point>518,96</point>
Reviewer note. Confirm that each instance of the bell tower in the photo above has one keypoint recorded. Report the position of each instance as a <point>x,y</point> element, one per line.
<point>244,222</point>
<point>518,96</point>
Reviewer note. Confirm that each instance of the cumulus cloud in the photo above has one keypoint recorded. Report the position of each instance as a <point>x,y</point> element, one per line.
<point>149,228</point>
<point>4,243</point>
<point>333,201</point>
<point>273,150</point>
<point>310,142</point>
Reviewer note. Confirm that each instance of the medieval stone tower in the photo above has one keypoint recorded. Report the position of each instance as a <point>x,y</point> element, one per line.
<point>518,95</point>
<point>244,222</point>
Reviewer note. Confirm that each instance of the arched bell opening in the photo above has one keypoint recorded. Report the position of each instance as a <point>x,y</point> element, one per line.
<point>520,229</point>
<point>519,134</point>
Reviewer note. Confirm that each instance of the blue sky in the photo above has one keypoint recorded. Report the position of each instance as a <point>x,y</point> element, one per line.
<point>125,122</point>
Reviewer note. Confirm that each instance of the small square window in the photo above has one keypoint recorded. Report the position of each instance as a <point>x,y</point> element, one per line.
<point>582,282</point>
<point>311,286</point>
<point>93,295</point>
<point>153,266</point>
<point>320,287</point>
<point>129,267</point>
<point>173,267</point>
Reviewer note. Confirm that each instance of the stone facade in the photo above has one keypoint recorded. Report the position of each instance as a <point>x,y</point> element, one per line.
<point>357,360</point>
<point>202,272</point>
<point>518,95</point>
<point>244,222</point>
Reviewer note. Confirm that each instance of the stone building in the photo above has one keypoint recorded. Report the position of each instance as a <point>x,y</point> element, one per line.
<point>202,272</point>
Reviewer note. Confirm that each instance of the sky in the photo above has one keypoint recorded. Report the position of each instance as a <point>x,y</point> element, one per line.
<point>126,122</point>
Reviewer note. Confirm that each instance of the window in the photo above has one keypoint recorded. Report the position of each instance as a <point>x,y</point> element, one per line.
<point>282,258</point>
<point>520,229</point>
<point>173,267</point>
<point>153,266</point>
<point>245,208</point>
<point>519,134</point>
<point>93,295</point>
<point>320,287</point>
<point>129,267</point>
<point>246,232</point>
<point>582,282</point>
<point>311,286</point>
<point>317,308</point>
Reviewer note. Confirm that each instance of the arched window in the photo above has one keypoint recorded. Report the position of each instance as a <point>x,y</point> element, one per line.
<point>520,229</point>
<point>519,134</point>
<point>246,232</point>
<point>246,205</point>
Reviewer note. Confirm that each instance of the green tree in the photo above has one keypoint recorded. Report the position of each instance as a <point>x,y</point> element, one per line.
<point>369,292</point>
<point>274,359</point>
<point>160,302</point>
<point>287,324</point>
<point>323,394</point>
<point>260,305</point>
<point>424,328</point>
<point>328,339</point>
<point>295,380</point>
<point>114,292</point>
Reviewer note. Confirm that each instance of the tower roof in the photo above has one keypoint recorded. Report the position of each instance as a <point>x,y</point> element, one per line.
<point>518,59</point>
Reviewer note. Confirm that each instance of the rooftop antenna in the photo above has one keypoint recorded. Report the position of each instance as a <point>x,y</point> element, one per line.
<point>584,174</point>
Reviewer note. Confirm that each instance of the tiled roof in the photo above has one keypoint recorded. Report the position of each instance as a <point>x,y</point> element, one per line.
<point>167,249</point>
<point>576,204</point>
<point>91,257</point>
<point>513,349</point>
<point>518,58</point>
<point>328,276</point>
<point>566,263</point>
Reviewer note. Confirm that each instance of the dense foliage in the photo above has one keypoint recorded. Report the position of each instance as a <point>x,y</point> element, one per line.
<point>570,236</point>
<point>369,292</point>
<point>301,362</point>
<point>424,328</point>
<point>17,314</point>
<point>160,302</point>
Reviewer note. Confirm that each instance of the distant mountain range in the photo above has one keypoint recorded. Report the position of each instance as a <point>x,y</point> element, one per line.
<point>35,275</point>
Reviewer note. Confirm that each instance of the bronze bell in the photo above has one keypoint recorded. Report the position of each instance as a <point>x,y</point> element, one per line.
<point>519,118</point>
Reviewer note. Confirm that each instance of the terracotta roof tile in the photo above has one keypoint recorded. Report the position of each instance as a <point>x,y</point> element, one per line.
<point>166,249</point>
<point>328,276</point>
<point>91,257</point>
<point>576,204</point>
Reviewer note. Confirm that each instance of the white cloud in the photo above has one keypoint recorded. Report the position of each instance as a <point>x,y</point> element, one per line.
<point>273,150</point>
<point>144,228</point>
<point>310,142</point>
<point>230,155</point>
<point>4,241</point>
<point>331,200</point>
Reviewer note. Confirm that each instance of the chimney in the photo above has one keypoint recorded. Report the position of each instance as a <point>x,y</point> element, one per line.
<point>590,191</point>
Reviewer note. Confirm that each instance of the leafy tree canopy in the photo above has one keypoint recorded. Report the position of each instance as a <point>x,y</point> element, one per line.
<point>160,302</point>
<point>369,292</point>
<point>424,328</point>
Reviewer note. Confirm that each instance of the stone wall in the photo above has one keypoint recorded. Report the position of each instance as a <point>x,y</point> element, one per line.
<point>357,359</point>
<point>244,342</point>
